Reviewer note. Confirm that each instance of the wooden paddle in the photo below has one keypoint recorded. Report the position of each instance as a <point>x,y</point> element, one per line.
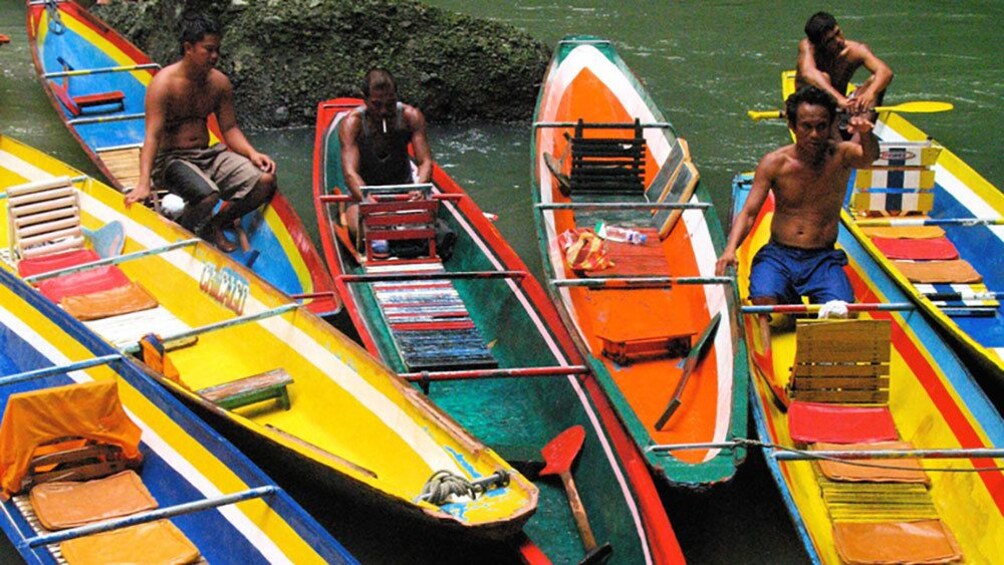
<point>559,454</point>
<point>697,353</point>
<point>916,107</point>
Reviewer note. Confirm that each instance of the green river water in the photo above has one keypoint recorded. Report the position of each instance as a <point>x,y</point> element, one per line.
<point>706,64</point>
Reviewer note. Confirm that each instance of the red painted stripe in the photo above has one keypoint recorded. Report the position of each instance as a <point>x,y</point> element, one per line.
<point>939,394</point>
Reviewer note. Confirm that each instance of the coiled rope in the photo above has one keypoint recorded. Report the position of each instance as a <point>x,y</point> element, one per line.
<point>443,485</point>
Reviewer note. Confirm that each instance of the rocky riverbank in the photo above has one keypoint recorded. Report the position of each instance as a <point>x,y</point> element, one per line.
<point>284,56</point>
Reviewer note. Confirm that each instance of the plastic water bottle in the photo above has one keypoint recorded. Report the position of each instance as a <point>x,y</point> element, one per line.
<point>614,233</point>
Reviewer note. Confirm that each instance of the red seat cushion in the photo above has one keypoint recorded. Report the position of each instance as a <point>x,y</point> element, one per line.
<point>934,249</point>
<point>56,261</point>
<point>811,422</point>
<point>84,282</point>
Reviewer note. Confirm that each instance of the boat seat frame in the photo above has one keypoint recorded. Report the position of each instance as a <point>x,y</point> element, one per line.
<point>841,361</point>
<point>608,164</point>
<point>44,218</point>
<point>251,390</point>
<point>90,461</point>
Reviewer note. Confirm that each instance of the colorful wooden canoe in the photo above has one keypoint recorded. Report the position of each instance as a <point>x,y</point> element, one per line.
<point>318,403</point>
<point>918,393</point>
<point>603,151</point>
<point>96,80</point>
<point>936,227</point>
<point>220,505</point>
<point>497,359</point>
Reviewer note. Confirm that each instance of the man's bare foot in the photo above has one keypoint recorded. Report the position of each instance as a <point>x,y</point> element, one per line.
<point>213,234</point>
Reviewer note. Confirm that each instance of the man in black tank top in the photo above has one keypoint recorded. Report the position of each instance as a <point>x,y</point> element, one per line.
<point>375,140</point>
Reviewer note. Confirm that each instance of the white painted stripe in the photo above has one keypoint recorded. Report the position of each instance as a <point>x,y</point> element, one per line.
<point>156,443</point>
<point>621,87</point>
<point>412,432</point>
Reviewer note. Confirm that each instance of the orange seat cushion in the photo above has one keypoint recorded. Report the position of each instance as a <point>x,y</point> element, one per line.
<point>957,271</point>
<point>68,504</point>
<point>154,542</point>
<point>813,422</point>
<point>876,470</point>
<point>925,541</point>
<point>120,300</point>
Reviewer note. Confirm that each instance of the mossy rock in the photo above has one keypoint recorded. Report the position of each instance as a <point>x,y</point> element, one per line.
<point>285,56</point>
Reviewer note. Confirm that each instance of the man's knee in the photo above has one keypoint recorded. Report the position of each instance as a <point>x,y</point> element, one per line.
<point>266,186</point>
<point>188,182</point>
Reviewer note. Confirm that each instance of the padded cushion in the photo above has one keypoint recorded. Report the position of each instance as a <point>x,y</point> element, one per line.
<point>68,504</point>
<point>876,470</point>
<point>939,249</point>
<point>925,541</point>
<point>84,282</point>
<point>55,261</point>
<point>957,271</point>
<point>154,542</point>
<point>812,422</point>
<point>120,300</point>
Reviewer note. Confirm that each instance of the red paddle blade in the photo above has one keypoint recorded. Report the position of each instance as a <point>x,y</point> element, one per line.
<point>560,452</point>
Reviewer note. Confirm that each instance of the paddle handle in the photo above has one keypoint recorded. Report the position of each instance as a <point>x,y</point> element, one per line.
<point>578,511</point>
<point>756,115</point>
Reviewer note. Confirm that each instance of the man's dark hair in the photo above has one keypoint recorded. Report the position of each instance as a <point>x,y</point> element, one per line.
<point>819,25</point>
<point>378,80</point>
<point>808,95</point>
<point>194,27</point>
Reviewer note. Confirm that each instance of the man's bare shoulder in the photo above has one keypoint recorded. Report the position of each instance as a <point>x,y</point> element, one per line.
<point>778,157</point>
<point>413,116</point>
<point>855,51</point>
<point>350,126</point>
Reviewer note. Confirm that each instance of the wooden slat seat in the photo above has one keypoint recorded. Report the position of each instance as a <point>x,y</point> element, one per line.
<point>44,218</point>
<point>251,390</point>
<point>399,221</point>
<point>841,361</point>
<point>608,164</point>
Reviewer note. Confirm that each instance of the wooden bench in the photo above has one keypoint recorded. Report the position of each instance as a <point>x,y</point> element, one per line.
<point>76,104</point>
<point>250,390</point>
<point>625,351</point>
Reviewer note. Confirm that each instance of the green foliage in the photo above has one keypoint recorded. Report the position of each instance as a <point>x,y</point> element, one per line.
<point>285,56</point>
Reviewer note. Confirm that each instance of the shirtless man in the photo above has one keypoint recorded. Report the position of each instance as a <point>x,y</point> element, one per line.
<point>828,61</point>
<point>809,180</point>
<point>176,151</point>
<point>375,140</point>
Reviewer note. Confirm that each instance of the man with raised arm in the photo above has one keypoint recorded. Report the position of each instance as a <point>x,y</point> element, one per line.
<point>828,61</point>
<point>375,138</point>
<point>809,180</point>
<point>176,151</point>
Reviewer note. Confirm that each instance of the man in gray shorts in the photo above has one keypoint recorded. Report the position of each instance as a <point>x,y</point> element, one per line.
<point>176,151</point>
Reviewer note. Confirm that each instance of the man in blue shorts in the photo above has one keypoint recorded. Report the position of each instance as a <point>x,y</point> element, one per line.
<point>809,180</point>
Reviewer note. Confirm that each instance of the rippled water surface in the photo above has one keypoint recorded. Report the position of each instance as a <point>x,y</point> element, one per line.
<point>706,64</point>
